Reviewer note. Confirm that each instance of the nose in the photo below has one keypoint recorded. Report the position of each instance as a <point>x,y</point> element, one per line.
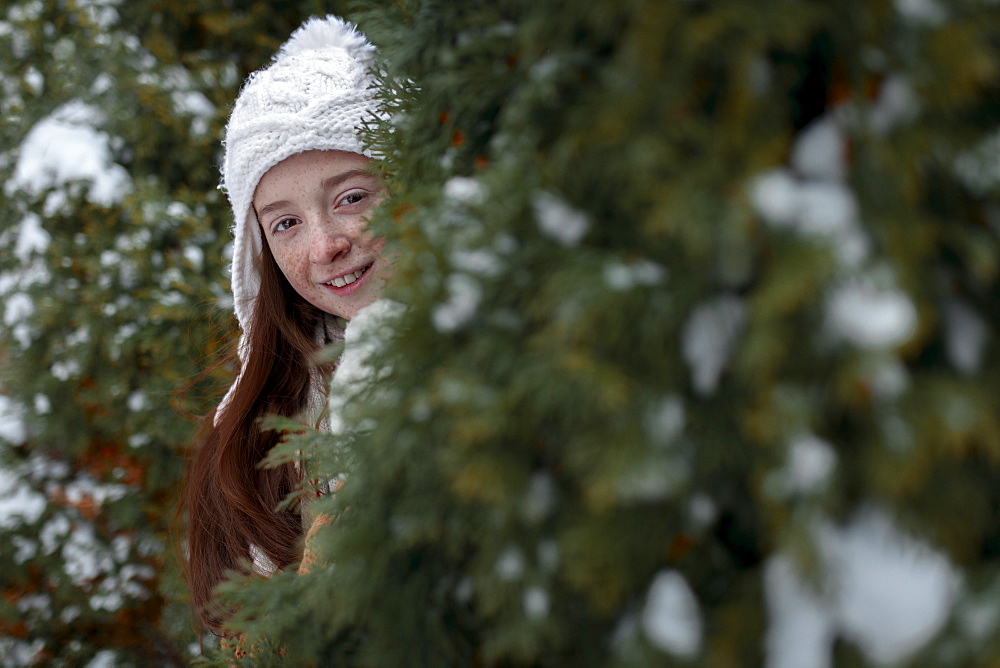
<point>327,242</point>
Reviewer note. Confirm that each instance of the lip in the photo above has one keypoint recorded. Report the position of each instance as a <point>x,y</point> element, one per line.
<point>353,287</point>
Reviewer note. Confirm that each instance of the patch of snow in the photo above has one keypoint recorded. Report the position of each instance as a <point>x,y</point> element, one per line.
<point>52,531</point>
<point>64,50</point>
<point>623,276</point>
<point>623,638</point>
<point>364,337</point>
<point>106,658</point>
<point>822,210</point>
<point>464,590</point>
<point>110,258</point>
<point>463,189</point>
<point>896,104</point>
<point>889,379</point>
<point>34,80</point>
<point>966,334</point>
<point>101,12</point>
<point>138,240</point>
<point>197,106</point>
<point>12,427</point>
<point>979,167</point>
<point>65,370</point>
<point>102,83</point>
<point>894,593</point>
<point>19,503</point>
<point>545,68</point>
<point>665,421</point>
<point>65,147</point>
<point>929,12</point>
<point>483,263</point>
<point>811,460</point>
<point>19,44</point>
<point>801,631</point>
<point>510,564</point>
<point>136,401</point>
<point>195,257</point>
<point>69,613</point>
<point>505,244</point>
<point>136,571</point>
<point>84,558</point>
<point>25,549</point>
<point>42,468</point>
<point>651,479</point>
<point>701,511</point>
<point>180,210</point>
<point>774,195</point>
<point>25,12</point>
<point>84,486</point>
<point>979,618</point>
<point>819,151</point>
<point>32,238</point>
<point>540,498</point>
<point>109,601</point>
<point>39,604</point>
<point>558,220</point>
<point>882,590</point>
<point>709,336</point>
<point>671,618</point>
<point>421,410</point>
<point>193,103</point>
<point>21,652</point>
<point>464,295</point>
<point>535,602</point>
<point>78,336</point>
<point>828,212</point>
<point>17,309</point>
<point>871,316</point>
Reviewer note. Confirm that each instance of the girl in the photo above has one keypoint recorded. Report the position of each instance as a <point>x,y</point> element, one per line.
<point>300,185</point>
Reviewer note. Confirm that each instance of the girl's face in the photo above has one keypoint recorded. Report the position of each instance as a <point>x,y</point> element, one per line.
<point>313,209</point>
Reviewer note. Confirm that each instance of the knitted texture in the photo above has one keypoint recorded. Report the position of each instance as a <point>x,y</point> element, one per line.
<point>315,95</point>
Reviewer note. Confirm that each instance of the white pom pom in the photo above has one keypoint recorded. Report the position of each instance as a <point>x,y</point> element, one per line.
<point>317,33</point>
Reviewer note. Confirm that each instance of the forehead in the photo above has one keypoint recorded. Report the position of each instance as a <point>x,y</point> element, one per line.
<point>306,170</point>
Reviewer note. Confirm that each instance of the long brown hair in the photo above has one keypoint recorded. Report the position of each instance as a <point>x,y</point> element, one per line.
<point>231,502</point>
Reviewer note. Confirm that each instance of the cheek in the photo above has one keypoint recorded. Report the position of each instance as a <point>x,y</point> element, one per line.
<point>292,259</point>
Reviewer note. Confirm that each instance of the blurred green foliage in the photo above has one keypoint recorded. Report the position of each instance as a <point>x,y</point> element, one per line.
<point>690,286</point>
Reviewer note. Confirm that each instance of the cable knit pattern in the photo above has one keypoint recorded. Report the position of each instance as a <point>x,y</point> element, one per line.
<point>314,96</point>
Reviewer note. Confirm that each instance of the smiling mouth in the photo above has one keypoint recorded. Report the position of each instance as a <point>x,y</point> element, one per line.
<point>347,279</point>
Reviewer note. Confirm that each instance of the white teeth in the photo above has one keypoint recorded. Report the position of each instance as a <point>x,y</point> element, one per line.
<point>347,279</point>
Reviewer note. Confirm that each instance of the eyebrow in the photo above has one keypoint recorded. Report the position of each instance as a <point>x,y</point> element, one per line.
<point>327,184</point>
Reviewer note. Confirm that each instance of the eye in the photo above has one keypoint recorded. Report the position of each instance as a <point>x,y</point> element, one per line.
<point>353,197</point>
<point>283,224</point>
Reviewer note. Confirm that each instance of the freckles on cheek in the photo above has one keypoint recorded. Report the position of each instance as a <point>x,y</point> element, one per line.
<point>294,263</point>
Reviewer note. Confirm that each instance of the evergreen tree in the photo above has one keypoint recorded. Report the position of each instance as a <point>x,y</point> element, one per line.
<point>114,299</point>
<point>698,363</point>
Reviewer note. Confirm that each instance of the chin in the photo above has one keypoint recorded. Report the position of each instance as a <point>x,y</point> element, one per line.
<point>348,311</point>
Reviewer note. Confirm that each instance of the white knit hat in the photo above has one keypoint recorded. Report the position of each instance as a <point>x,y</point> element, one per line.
<point>314,96</point>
